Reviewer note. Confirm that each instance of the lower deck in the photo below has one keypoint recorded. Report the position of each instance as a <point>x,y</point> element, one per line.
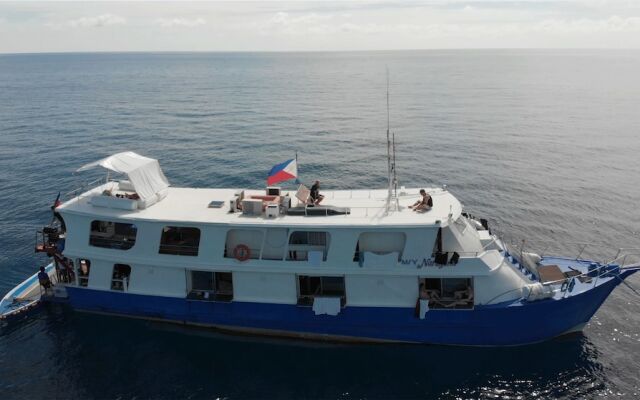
<point>481,326</point>
<point>566,276</point>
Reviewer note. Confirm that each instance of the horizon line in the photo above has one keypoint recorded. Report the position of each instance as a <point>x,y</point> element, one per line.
<point>313,51</point>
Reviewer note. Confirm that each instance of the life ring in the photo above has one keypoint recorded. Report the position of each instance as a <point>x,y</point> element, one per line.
<point>242,252</point>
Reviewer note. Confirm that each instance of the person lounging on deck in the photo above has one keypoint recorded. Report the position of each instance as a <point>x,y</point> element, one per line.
<point>424,204</point>
<point>461,298</point>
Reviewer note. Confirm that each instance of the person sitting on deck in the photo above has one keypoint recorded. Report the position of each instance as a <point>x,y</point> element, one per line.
<point>430,295</point>
<point>315,195</point>
<point>424,292</point>
<point>425,203</point>
<point>462,298</point>
<point>43,278</point>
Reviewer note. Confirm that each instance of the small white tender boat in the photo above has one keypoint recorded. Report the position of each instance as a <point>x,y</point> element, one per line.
<point>24,297</point>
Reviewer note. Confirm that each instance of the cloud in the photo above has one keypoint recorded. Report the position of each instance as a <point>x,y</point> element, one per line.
<point>337,24</point>
<point>184,22</point>
<point>612,24</point>
<point>285,23</point>
<point>96,22</point>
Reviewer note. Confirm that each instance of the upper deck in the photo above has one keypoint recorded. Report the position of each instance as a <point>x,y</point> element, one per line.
<point>191,205</point>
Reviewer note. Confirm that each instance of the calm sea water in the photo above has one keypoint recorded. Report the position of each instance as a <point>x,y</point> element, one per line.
<point>543,143</point>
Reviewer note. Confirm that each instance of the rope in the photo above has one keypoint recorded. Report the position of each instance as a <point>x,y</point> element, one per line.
<point>628,285</point>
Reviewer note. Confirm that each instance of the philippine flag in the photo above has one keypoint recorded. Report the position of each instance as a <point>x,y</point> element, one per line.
<point>283,172</point>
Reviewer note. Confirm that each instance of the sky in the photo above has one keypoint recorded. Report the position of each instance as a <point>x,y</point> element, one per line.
<point>30,27</point>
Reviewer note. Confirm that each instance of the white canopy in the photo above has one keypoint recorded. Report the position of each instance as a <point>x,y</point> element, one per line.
<point>144,173</point>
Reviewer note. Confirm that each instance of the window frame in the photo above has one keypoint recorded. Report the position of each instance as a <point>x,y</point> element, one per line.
<point>289,252</point>
<point>212,294</point>
<point>179,250</point>
<point>123,244</point>
<point>123,281</point>
<point>433,305</point>
<point>82,280</point>
<point>307,299</point>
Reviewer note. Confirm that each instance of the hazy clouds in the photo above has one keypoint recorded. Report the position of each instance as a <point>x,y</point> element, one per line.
<point>313,25</point>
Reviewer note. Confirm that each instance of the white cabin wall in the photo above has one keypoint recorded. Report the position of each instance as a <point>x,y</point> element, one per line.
<point>78,229</point>
<point>212,241</point>
<point>464,240</point>
<point>387,291</point>
<point>265,287</point>
<point>342,246</point>
<point>420,242</point>
<point>382,242</point>
<point>503,280</point>
<point>100,274</point>
<point>147,239</point>
<point>159,281</point>
<point>272,286</point>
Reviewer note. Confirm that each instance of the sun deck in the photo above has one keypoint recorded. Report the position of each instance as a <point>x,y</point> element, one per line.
<point>367,207</point>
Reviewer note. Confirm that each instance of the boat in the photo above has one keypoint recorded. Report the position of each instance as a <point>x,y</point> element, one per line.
<point>360,266</point>
<point>25,297</point>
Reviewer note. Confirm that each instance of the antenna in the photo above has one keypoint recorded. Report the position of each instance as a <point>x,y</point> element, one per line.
<point>391,159</point>
<point>388,144</point>
<point>388,124</point>
<point>393,168</point>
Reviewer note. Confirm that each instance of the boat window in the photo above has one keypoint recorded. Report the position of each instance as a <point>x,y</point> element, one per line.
<point>120,277</point>
<point>84,268</point>
<point>310,287</point>
<point>180,241</point>
<point>302,244</point>
<point>447,293</point>
<point>380,243</point>
<point>243,243</point>
<point>112,235</point>
<point>65,270</point>
<point>210,286</point>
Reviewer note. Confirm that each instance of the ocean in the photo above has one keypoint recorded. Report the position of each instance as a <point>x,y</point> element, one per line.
<point>542,143</point>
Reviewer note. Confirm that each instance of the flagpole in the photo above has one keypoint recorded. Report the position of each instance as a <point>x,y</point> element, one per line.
<point>297,172</point>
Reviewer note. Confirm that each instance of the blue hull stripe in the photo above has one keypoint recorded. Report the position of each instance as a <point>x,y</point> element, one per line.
<point>515,324</point>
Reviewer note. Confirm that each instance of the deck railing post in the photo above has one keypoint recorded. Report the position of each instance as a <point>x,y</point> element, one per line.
<point>584,246</point>
<point>618,253</point>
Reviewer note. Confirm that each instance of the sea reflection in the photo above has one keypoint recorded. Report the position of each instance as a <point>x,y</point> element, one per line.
<point>127,358</point>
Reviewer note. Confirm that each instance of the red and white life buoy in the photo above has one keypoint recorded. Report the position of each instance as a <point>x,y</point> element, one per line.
<point>242,252</point>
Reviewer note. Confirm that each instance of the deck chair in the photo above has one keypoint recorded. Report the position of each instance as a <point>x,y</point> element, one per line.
<point>303,194</point>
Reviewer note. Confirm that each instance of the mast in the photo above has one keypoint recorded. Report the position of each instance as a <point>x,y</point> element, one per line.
<point>389,183</point>
<point>393,169</point>
<point>391,162</point>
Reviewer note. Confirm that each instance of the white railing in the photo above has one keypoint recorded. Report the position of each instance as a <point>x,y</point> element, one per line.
<point>623,255</point>
<point>84,187</point>
<point>602,271</point>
